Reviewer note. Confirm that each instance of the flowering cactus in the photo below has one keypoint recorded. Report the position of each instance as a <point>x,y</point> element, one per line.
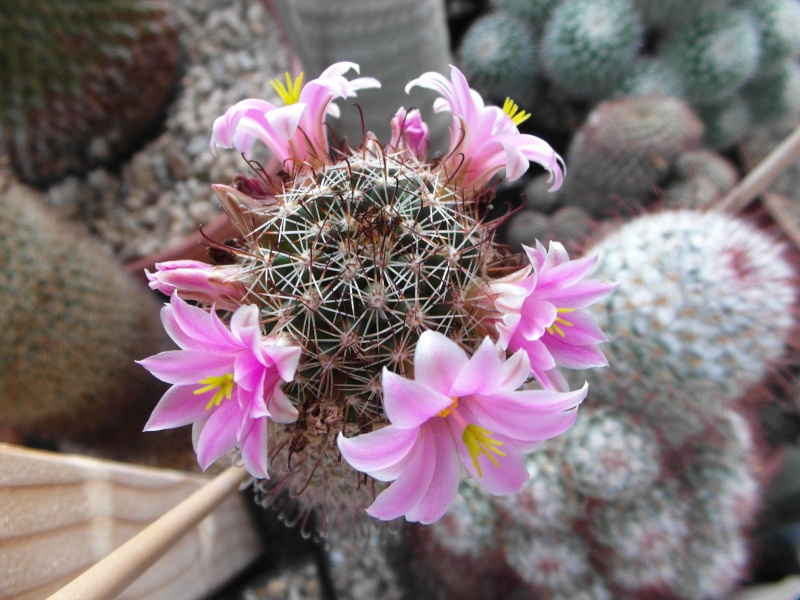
<point>368,308</point>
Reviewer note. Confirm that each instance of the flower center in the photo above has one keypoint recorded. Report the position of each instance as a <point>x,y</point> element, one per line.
<point>223,384</point>
<point>555,329</point>
<point>447,410</point>
<point>289,93</point>
<point>518,117</point>
<point>479,441</point>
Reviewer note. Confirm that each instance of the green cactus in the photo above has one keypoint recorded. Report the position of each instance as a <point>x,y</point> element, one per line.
<point>589,45</point>
<point>779,25</point>
<point>727,122</point>
<point>699,178</point>
<point>649,76</point>
<point>670,14</point>
<point>625,148</point>
<point>71,325</point>
<point>714,54</point>
<point>705,163</point>
<point>81,81</point>
<point>603,519</point>
<point>499,56</point>
<point>534,11</point>
<point>774,94</point>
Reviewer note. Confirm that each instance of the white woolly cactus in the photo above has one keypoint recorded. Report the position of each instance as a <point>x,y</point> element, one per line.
<point>704,307</point>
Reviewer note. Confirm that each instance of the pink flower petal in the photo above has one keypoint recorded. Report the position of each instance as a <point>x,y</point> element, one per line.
<point>285,358</point>
<point>504,478</point>
<point>184,367</point>
<point>411,486</point>
<point>219,433</point>
<point>255,450</point>
<point>280,408</point>
<point>516,371</point>
<point>443,488</point>
<point>377,450</point>
<point>483,371</point>
<point>575,357</point>
<point>179,406</point>
<point>438,360</point>
<point>409,403</point>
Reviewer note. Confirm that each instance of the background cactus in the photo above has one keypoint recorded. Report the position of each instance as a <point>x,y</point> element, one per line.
<point>71,326</point>
<point>393,41</point>
<point>774,94</point>
<point>668,14</point>
<point>715,54</point>
<point>499,56</point>
<point>703,309</point>
<point>587,46</point>
<point>698,179</point>
<point>81,82</point>
<point>653,491</point>
<point>779,26</point>
<point>534,11</point>
<point>649,77</point>
<point>624,149</point>
<point>703,52</point>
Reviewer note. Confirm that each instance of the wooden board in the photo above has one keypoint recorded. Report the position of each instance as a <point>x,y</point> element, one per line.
<point>60,513</point>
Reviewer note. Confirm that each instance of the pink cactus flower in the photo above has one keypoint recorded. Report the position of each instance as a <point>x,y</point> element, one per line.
<point>224,381</point>
<point>199,281</point>
<point>294,133</point>
<point>409,134</point>
<point>540,310</point>
<point>458,411</point>
<point>485,139</point>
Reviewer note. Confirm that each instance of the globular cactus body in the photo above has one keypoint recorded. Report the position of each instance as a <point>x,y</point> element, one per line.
<point>625,148</point>
<point>71,325</point>
<point>499,55</point>
<point>357,261</point>
<point>80,82</point>
<point>715,54</point>
<point>705,303</point>
<point>587,46</point>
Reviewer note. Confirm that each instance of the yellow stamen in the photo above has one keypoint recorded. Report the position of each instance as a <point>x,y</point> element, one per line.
<point>447,410</point>
<point>518,117</point>
<point>479,441</point>
<point>289,93</point>
<point>555,329</point>
<point>222,383</point>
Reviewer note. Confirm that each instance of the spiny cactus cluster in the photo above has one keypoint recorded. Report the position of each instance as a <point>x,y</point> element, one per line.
<point>81,81</point>
<point>707,53</point>
<point>373,331</point>
<point>652,492</point>
<point>500,54</point>
<point>625,148</point>
<point>705,307</point>
<point>72,322</point>
<point>357,262</point>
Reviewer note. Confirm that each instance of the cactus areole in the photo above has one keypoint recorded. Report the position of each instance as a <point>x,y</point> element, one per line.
<point>369,312</point>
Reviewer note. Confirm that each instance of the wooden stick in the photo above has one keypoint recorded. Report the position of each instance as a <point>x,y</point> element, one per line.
<point>762,175</point>
<point>109,577</point>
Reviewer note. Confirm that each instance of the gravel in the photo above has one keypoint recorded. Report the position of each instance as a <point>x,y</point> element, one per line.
<point>231,51</point>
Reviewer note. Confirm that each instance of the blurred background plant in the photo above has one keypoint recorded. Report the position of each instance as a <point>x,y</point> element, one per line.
<point>83,82</point>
